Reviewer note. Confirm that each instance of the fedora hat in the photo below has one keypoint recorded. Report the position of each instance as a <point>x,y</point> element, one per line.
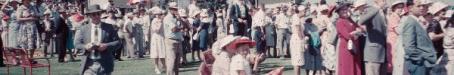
<point>93,9</point>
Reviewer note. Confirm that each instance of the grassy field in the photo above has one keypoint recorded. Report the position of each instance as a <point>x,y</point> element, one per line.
<point>136,67</point>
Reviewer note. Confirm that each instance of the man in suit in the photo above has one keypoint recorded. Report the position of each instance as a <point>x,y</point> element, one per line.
<point>173,38</point>
<point>100,40</point>
<point>419,51</point>
<point>373,21</point>
<point>238,16</point>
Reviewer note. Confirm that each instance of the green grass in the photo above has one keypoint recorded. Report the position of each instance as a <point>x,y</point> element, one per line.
<point>136,67</point>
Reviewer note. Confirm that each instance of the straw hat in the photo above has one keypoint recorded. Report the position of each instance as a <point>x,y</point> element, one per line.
<point>437,7</point>
<point>301,8</point>
<point>322,7</point>
<point>158,11</point>
<point>173,5</point>
<point>398,2</point>
<point>359,3</point>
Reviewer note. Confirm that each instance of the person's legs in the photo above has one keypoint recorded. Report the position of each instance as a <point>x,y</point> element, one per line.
<point>297,70</point>
<point>279,42</point>
<point>172,57</point>
<point>372,68</point>
<point>157,66</point>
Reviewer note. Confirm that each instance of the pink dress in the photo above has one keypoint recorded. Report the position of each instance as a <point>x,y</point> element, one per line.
<point>393,22</point>
<point>349,63</point>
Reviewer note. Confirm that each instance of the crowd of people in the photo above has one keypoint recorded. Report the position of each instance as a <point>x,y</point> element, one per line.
<point>233,37</point>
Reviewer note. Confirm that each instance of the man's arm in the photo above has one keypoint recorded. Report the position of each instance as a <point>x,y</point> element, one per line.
<point>409,39</point>
<point>371,12</point>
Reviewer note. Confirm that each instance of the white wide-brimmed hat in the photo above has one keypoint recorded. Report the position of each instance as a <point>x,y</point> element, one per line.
<point>173,5</point>
<point>398,2</point>
<point>301,8</point>
<point>359,3</point>
<point>322,7</point>
<point>437,7</point>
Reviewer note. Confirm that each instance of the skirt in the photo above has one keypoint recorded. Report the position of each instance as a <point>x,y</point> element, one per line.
<point>28,36</point>
<point>297,51</point>
<point>270,36</point>
<point>70,40</point>
<point>13,33</point>
<point>312,59</point>
<point>157,47</point>
<point>203,39</point>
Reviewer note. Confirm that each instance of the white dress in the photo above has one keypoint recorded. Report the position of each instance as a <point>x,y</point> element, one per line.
<point>157,49</point>
<point>296,43</point>
<point>328,48</point>
<point>239,62</point>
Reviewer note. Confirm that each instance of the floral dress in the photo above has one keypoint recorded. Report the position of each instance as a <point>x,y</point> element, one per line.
<point>297,43</point>
<point>28,31</point>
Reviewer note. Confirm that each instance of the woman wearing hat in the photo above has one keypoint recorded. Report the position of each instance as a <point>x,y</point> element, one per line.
<point>448,44</point>
<point>394,16</point>
<point>297,41</point>
<point>26,18</point>
<point>327,49</point>
<point>157,51</point>
<point>349,60</point>
<point>9,9</point>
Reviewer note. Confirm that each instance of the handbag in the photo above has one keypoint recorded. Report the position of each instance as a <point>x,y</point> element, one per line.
<point>195,36</point>
<point>350,46</point>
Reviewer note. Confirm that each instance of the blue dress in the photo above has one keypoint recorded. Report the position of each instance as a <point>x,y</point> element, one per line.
<point>70,37</point>
<point>13,30</point>
<point>312,55</point>
<point>203,36</point>
<point>270,36</point>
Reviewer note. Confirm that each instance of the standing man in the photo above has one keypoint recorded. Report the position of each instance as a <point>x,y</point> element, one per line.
<point>374,22</point>
<point>282,31</point>
<point>172,38</point>
<point>237,15</point>
<point>419,51</point>
<point>100,40</point>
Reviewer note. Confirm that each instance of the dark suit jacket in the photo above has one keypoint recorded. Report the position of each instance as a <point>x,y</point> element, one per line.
<point>109,37</point>
<point>375,22</point>
<point>417,44</point>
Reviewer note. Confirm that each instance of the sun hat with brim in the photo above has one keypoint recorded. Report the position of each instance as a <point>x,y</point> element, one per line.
<point>241,41</point>
<point>322,8</point>
<point>437,7</point>
<point>398,2</point>
<point>301,8</point>
<point>18,1</point>
<point>173,5</point>
<point>359,3</point>
<point>158,11</point>
<point>93,9</point>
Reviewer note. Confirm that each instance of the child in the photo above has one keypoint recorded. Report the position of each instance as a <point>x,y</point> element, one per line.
<point>240,65</point>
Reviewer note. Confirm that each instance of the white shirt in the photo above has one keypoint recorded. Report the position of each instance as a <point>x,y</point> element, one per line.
<point>239,62</point>
<point>96,33</point>
<point>282,21</point>
<point>260,19</point>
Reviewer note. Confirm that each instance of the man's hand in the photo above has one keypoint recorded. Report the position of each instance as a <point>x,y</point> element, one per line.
<point>102,47</point>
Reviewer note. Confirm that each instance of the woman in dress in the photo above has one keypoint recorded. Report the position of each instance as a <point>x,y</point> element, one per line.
<point>349,62</point>
<point>157,44</point>
<point>203,30</point>
<point>26,18</point>
<point>394,16</point>
<point>448,44</point>
<point>297,41</point>
<point>12,27</point>
<point>328,46</point>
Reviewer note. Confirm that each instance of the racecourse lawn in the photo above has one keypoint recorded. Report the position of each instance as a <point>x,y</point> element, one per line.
<point>136,67</point>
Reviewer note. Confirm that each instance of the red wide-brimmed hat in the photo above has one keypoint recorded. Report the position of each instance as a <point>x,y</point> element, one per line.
<point>241,41</point>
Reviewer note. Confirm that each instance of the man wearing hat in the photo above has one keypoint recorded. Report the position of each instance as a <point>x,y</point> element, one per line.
<point>375,49</point>
<point>419,50</point>
<point>173,39</point>
<point>100,40</point>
